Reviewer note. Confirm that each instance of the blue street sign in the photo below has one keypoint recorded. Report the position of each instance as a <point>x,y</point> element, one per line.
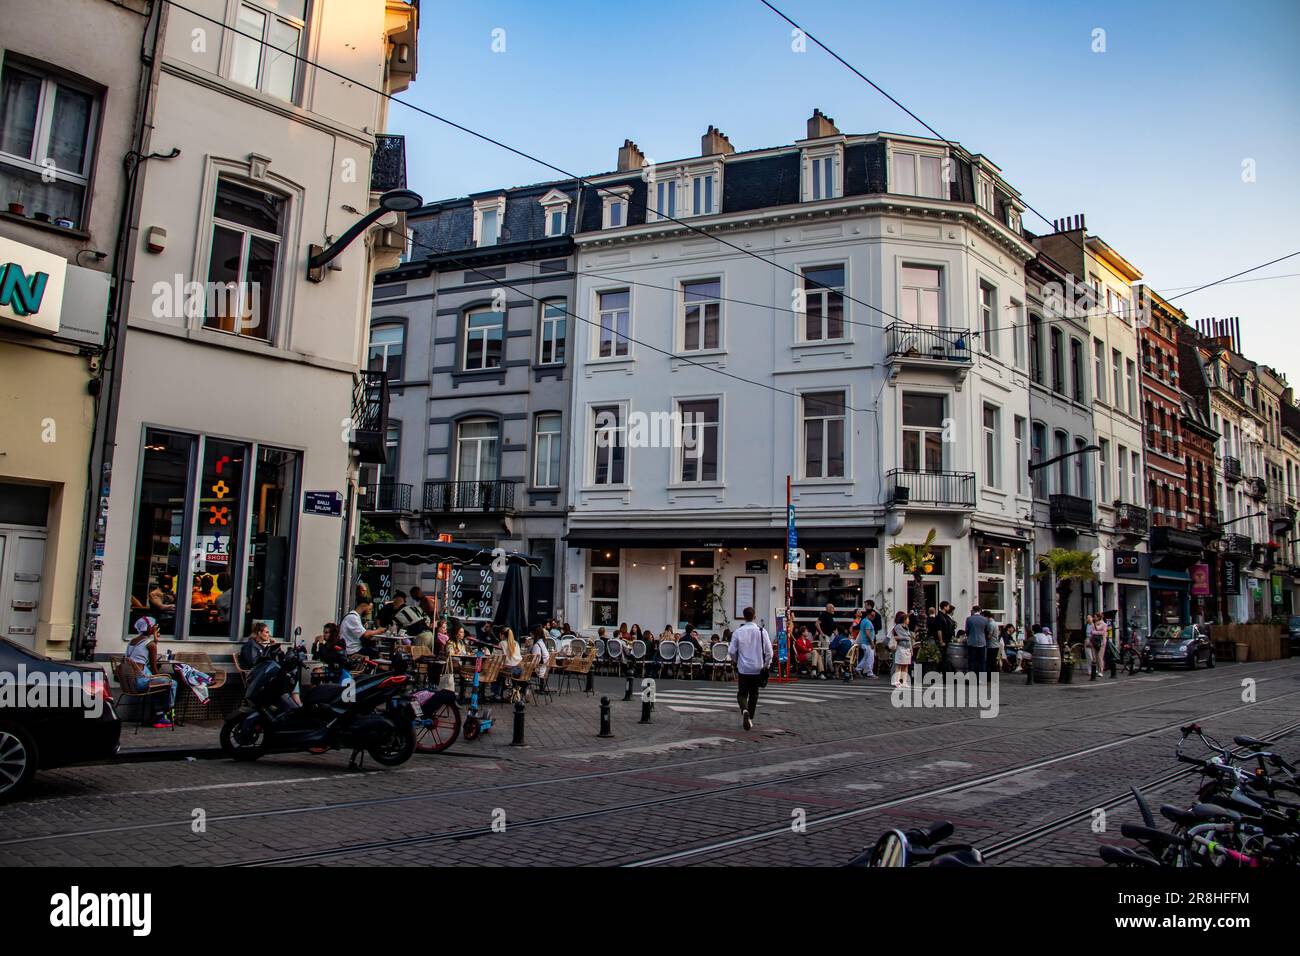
<point>322,503</point>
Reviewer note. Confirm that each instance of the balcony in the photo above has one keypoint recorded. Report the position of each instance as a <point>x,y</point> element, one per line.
<point>1132,519</point>
<point>1231,469</point>
<point>1166,539</point>
<point>484,497</point>
<point>1071,511</point>
<point>370,417</point>
<point>927,346</point>
<point>1281,511</point>
<point>935,489</point>
<point>388,166</point>
<point>1257,488</point>
<point>1237,545</point>
<point>386,497</point>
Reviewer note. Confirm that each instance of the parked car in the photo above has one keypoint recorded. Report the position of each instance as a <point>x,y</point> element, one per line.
<point>1189,644</point>
<point>1293,629</point>
<point>52,713</point>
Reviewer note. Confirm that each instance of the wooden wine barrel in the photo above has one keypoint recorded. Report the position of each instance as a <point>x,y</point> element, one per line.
<point>1047,663</point>
<point>957,657</point>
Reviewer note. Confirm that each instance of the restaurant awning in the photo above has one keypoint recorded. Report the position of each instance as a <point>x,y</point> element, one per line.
<point>824,538</point>
<point>440,552</point>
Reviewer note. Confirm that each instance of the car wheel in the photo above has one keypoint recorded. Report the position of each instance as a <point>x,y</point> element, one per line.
<point>1191,661</point>
<point>17,761</point>
<point>1209,658</point>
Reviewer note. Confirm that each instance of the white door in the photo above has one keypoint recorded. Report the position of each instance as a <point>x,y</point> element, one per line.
<point>22,556</point>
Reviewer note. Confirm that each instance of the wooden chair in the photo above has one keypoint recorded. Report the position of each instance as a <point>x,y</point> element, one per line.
<point>522,684</point>
<point>127,684</point>
<point>579,668</point>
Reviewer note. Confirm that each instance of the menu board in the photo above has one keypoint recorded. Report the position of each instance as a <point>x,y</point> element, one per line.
<point>469,593</point>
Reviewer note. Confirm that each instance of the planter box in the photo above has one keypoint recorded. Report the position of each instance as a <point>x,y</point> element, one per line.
<point>1243,653</point>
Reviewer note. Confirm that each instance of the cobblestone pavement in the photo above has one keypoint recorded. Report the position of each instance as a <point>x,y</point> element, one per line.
<point>692,787</point>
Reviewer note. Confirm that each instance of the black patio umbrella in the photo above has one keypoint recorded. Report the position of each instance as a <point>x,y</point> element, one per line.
<point>510,607</point>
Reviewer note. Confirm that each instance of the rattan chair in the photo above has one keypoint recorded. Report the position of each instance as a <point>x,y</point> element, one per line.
<point>127,685</point>
<point>667,651</point>
<point>720,664</point>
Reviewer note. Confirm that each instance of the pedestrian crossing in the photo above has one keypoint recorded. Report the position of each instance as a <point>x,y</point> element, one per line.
<point>714,698</point>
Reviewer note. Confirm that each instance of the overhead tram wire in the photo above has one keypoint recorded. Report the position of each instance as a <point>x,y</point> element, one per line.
<point>951,145</point>
<point>604,189</point>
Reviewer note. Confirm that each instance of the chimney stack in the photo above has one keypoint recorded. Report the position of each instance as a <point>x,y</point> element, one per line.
<point>819,125</point>
<point>714,141</point>
<point>630,157</point>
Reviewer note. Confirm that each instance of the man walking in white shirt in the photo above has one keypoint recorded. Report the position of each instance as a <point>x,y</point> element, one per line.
<point>751,650</point>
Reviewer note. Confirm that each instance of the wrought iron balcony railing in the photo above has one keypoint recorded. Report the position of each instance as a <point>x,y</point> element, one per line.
<point>1165,538</point>
<point>948,489</point>
<point>1257,487</point>
<point>370,417</point>
<point>1231,469</point>
<point>386,496</point>
<point>388,166</point>
<point>1132,519</point>
<point>490,497</point>
<point>927,343</point>
<point>1071,511</point>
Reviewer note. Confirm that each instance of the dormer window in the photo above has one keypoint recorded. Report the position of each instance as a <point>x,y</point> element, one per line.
<point>555,210</point>
<point>687,191</point>
<point>984,195</point>
<point>821,173</point>
<point>615,201</point>
<point>666,199</point>
<point>918,173</point>
<point>488,216</point>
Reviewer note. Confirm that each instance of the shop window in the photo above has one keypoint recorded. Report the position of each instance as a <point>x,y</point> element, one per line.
<point>238,536</point>
<point>270,541</point>
<point>158,572</point>
<point>216,541</point>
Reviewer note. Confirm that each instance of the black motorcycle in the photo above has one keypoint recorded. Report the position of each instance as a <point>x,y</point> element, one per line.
<point>371,714</point>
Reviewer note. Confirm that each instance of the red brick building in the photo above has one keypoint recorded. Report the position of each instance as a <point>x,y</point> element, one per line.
<point>1200,440</point>
<point>1179,463</point>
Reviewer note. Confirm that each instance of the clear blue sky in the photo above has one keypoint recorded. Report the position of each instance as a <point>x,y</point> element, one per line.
<point>1147,138</point>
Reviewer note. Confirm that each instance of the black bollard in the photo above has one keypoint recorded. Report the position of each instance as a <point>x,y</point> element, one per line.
<point>591,681</point>
<point>518,740</point>
<point>627,694</point>
<point>647,707</point>
<point>604,719</point>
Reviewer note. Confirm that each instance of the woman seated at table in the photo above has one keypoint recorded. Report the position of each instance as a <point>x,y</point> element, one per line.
<point>514,659</point>
<point>141,665</point>
<point>542,652</point>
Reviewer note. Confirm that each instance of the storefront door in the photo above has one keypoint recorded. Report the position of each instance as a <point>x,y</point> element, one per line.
<point>22,556</point>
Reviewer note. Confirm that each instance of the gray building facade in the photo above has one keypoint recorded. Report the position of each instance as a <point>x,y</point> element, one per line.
<point>473,330</point>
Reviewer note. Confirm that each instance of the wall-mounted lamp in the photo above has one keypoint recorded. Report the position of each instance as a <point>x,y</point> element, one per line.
<point>395,200</point>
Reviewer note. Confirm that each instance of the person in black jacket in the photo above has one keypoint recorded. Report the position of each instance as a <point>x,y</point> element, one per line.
<point>946,627</point>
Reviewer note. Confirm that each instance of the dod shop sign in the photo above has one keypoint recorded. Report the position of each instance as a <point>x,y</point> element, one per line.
<point>31,286</point>
<point>1128,564</point>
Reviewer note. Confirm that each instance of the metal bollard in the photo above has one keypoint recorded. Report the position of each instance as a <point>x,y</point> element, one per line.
<point>591,681</point>
<point>518,740</point>
<point>604,719</point>
<point>627,694</point>
<point>647,708</point>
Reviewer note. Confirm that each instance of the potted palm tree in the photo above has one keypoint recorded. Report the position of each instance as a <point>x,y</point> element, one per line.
<point>1066,566</point>
<point>916,560</point>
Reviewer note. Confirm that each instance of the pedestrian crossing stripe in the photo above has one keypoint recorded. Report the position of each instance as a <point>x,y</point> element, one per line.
<point>706,700</point>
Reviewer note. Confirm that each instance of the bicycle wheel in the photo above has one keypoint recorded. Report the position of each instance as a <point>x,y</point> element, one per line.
<point>437,731</point>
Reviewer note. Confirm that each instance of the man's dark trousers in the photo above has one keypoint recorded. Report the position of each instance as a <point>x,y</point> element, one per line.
<point>747,692</point>
<point>975,659</point>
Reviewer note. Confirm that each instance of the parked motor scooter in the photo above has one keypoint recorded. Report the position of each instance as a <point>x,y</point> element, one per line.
<point>370,714</point>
